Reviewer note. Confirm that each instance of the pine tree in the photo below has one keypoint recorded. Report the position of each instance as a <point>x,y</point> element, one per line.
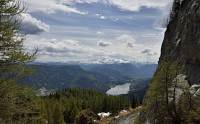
<point>58,114</point>
<point>17,104</point>
<point>12,53</point>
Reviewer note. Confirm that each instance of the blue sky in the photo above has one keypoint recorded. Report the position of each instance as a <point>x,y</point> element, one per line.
<point>95,31</point>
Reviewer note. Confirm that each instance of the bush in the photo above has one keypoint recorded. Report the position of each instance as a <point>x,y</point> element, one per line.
<point>86,117</point>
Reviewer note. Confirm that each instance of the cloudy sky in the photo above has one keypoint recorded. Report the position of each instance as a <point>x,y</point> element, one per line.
<point>91,31</point>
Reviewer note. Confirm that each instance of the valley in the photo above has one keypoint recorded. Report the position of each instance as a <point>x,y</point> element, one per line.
<point>52,77</point>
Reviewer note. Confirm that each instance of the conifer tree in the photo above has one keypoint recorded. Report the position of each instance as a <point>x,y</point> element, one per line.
<point>12,53</point>
<point>17,104</point>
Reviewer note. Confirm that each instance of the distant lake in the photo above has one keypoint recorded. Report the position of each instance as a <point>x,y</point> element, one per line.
<point>119,89</point>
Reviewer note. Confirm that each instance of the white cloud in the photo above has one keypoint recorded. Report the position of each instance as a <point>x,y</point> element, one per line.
<point>129,44</point>
<point>147,52</point>
<point>103,44</point>
<point>128,40</point>
<point>135,5</point>
<point>116,50</point>
<point>117,44</point>
<point>102,17</point>
<point>99,33</point>
<point>165,17</point>
<point>31,25</point>
<point>130,5</point>
<point>60,50</point>
<point>50,6</point>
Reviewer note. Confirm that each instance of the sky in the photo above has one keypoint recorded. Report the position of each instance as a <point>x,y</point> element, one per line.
<point>95,31</point>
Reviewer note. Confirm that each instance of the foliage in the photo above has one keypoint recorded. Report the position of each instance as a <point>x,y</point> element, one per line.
<point>11,47</point>
<point>66,105</point>
<point>17,104</point>
<point>86,117</point>
<point>67,76</point>
<point>162,100</point>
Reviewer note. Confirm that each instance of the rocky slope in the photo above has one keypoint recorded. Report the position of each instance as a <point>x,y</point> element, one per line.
<point>174,94</point>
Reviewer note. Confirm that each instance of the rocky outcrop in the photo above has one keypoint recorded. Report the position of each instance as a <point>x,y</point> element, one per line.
<point>174,93</point>
<point>178,87</point>
<point>195,90</point>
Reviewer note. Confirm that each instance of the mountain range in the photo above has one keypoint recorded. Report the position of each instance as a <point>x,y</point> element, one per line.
<point>90,76</point>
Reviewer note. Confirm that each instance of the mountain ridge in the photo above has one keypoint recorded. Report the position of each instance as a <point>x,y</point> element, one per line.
<point>59,76</point>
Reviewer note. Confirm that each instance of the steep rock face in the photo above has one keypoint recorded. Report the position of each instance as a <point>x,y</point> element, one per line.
<point>173,96</point>
<point>182,38</point>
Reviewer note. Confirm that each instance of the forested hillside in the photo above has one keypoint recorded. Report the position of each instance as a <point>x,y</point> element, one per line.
<point>68,106</point>
<point>65,76</point>
<point>61,76</point>
<point>123,71</point>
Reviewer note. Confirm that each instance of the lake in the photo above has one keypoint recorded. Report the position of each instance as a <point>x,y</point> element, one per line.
<point>119,89</point>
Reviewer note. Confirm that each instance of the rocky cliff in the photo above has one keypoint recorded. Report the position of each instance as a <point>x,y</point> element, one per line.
<point>182,38</point>
<point>174,93</point>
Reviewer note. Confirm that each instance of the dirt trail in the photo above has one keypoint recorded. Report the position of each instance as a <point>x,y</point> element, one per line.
<point>125,120</point>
